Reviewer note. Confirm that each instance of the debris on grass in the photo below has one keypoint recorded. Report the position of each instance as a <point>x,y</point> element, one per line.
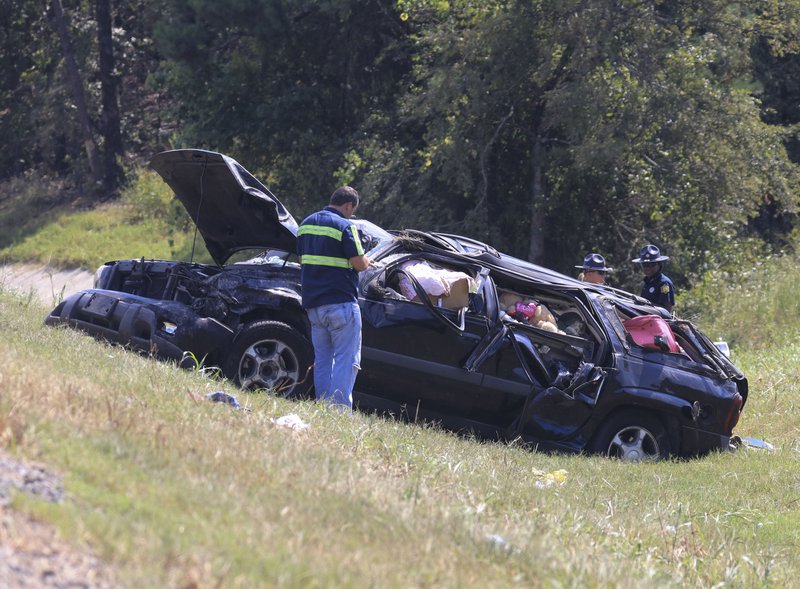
<point>499,543</point>
<point>545,480</point>
<point>291,421</point>
<point>226,399</point>
<point>751,443</point>
<point>223,397</point>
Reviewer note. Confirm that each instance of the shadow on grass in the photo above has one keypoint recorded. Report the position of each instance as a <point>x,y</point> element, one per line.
<point>29,201</point>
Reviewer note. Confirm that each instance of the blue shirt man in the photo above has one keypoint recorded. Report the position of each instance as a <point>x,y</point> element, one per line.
<point>331,256</point>
<point>657,287</point>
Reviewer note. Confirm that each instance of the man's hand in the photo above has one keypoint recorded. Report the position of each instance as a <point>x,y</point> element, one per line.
<point>360,263</point>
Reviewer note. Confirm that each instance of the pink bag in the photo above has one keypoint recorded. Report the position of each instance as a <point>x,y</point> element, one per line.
<point>645,329</point>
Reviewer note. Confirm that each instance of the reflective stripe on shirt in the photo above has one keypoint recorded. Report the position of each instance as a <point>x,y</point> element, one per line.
<point>312,260</point>
<point>331,232</point>
<point>326,244</point>
<point>359,248</point>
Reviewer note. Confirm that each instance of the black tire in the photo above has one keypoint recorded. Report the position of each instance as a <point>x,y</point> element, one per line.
<point>632,436</point>
<point>273,356</point>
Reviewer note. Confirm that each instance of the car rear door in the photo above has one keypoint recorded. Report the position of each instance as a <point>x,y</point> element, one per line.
<point>538,384</point>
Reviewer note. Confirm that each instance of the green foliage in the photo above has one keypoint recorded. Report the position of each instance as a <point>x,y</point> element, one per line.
<point>752,304</point>
<point>149,197</point>
<point>38,122</point>
<point>548,128</point>
<point>645,133</point>
<point>25,201</point>
<point>37,126</point>
<point>282,87</point>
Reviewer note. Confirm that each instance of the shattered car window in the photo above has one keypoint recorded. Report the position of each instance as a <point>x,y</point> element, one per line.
<point>371,235</point>
<point>265,257</point>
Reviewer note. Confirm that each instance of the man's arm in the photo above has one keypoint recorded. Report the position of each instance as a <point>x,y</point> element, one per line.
<point>360,263</point>
<point>352,244</point>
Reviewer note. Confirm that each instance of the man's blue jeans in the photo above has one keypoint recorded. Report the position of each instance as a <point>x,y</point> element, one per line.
<point>336,335</point>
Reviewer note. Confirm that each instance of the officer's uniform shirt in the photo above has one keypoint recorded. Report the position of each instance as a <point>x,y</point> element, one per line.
<point>659,290</point>
<point>326,241</point>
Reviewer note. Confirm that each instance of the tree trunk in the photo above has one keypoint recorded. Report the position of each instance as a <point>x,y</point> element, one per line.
<point>536,246</point>
<point>78,95</point>
<point>110,120</point>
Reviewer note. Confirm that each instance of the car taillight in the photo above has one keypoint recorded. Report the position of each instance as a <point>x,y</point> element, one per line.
<point>733,414</point>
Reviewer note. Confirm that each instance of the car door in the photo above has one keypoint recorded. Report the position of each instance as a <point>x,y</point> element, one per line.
<point>537,384</point>
<point>412,354</point>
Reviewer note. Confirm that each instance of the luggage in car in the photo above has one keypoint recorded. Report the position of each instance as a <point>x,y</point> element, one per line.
<point>652,333</point>
<point>458,297</point>
<point>448,289</point>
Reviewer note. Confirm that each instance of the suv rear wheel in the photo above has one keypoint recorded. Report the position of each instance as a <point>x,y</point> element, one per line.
<point>632,436</point>
<point>271,355</point>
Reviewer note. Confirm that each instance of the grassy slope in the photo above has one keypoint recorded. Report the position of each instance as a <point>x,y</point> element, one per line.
<point>170,488</point>
<point>145,221</point>
<point>754,307</point>
<point>176,491</point>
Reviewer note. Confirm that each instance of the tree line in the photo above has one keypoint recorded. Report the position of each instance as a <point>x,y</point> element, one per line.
<point>548,128</point>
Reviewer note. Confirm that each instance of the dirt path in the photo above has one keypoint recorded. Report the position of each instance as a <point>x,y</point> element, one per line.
<point>32,554</point>
<point>49,285</point>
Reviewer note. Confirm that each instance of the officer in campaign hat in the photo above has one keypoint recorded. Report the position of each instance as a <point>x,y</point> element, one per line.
<point>594,269</point>
<point>657,287</point>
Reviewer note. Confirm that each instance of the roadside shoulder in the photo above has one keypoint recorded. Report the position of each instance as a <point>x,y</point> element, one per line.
<point>49,285</point>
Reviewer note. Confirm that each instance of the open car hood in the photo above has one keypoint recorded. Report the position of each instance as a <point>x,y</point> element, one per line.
<point>233,211</point>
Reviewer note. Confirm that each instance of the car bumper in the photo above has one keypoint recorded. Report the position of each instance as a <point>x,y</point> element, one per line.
<point>139,323</point>
<point>697,442</point>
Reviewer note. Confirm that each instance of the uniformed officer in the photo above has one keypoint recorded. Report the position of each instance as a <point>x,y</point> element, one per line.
<point>331,255</point>
<point>594,269</point>
<point>657,287</point>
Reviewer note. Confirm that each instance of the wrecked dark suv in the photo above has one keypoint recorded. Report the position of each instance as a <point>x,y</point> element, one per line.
<point>453,331</point>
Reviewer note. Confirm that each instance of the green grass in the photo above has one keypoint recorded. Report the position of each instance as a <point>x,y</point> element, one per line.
<point>754,307</point>
<point>173,490</point>
<point>145,222</point>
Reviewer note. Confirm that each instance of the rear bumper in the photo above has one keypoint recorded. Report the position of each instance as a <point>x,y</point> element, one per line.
<point>697,442</point>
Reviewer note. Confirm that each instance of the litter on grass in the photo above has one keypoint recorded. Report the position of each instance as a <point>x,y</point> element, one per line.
<point>549,479</point>
<point>291,421</point>
<point>756,444</point>
<point>499,543</point>
<point>225,398</point>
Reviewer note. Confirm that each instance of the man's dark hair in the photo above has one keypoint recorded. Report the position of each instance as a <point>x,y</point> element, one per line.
<point>344,195</point>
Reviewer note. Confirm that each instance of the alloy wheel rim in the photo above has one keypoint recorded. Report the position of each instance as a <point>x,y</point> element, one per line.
<point>634,444</point>
<point>269,364</point>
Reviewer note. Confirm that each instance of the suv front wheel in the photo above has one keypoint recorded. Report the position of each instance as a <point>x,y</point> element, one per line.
<point>271,355</point>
